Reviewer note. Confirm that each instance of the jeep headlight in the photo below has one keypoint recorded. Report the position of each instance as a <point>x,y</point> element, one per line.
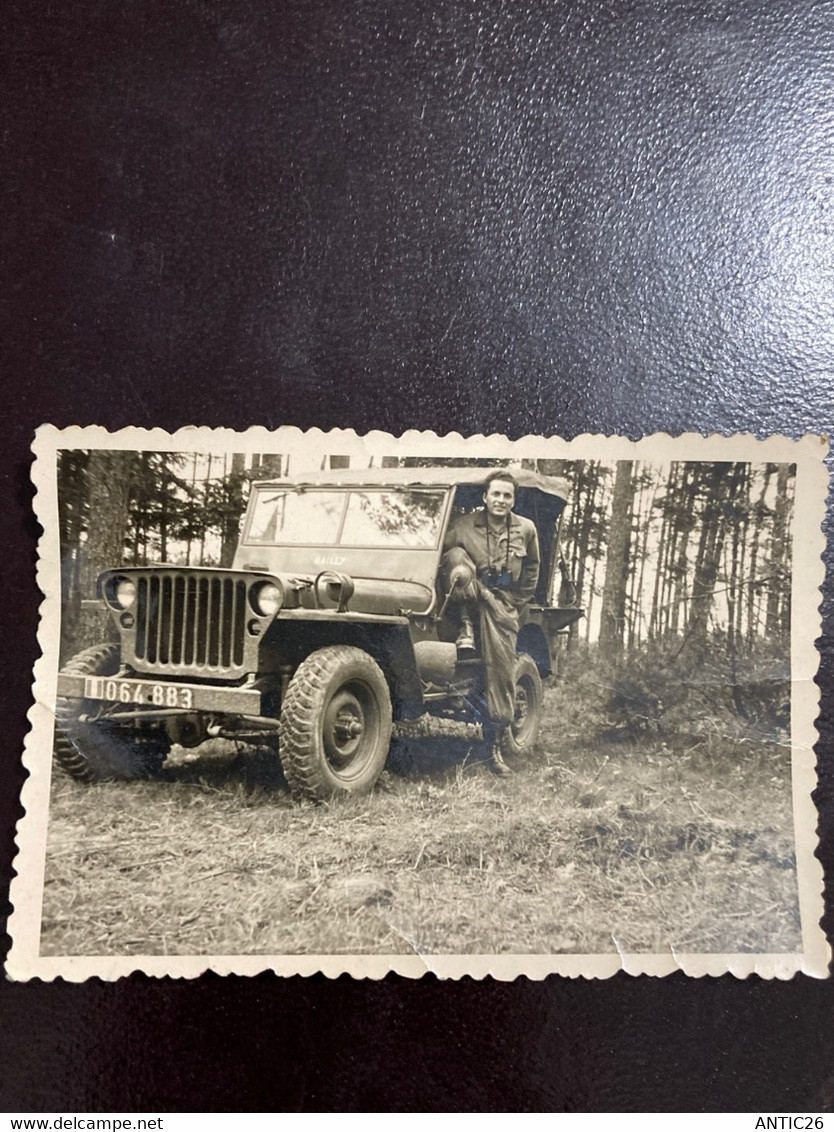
<point>267,598</point>
<point>121,592</point>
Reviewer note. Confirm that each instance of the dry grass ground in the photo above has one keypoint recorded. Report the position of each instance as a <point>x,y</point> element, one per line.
<point>591,845</point>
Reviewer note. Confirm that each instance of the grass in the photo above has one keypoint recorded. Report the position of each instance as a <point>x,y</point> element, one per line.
<point>594,844</point>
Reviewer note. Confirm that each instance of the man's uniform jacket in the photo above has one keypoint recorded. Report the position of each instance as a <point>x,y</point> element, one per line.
<point>514,551</point>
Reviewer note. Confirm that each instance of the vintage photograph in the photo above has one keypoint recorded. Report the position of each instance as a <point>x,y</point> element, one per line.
<point>341,703</point>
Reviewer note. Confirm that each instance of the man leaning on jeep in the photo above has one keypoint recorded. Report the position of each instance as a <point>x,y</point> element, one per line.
<point>503,550</point>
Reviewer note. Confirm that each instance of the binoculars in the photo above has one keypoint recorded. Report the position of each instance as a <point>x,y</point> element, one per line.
<point>494,580</point>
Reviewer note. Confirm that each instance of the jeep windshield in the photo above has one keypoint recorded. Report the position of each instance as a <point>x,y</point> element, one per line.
<point>375,518</point>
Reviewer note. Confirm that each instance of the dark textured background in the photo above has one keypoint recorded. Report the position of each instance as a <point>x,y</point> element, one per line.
<point>460,214</point>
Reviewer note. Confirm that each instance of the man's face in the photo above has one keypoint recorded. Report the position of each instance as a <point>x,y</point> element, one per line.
<point>499,498</point>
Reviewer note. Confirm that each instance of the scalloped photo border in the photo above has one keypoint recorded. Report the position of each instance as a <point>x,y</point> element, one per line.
<point>24,959</point>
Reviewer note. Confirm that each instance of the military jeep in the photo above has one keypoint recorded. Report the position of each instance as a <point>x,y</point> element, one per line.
<point>334,626</point>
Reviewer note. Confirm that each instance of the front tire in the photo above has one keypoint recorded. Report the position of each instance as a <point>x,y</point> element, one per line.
<point>521,736</point>
<point>97,751</point>
<point>335,726</point>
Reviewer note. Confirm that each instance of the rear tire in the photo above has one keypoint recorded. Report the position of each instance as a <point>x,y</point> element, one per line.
<point>335,724</point>
<point>521,736</point>
<point>98,751</point>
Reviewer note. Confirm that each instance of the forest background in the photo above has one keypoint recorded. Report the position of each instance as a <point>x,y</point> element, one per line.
<point>685,561</point>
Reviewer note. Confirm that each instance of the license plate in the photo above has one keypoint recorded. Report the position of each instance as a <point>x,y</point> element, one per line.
<point>138,692</point>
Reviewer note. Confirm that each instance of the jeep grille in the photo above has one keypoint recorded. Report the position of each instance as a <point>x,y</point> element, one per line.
<point>186,620</point>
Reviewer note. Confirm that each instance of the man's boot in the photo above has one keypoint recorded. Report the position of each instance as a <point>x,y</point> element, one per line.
<point>465,643</point>
<point>496,761</point>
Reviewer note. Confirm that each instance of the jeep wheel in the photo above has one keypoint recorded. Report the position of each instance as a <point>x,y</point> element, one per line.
<point>96,751</point>
<point>520,737</point>
<point>335,723</point>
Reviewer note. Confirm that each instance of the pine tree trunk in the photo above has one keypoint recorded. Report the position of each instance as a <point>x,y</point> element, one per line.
<point>641,554</point>
<point>753,602</point>
<point>710,550</point>
<point>590,601</point>
<point>740,536</point>
<point>108,480</point>
<point>669,562</point>
<point>657,590</point>
<point>777,619</point>
<point>588,481</point>
<point>205,490</point>
<point>685,524</point>
<point>191,510</point>
<point>734,592</point>
<point>233,511</point>
<point>586,526</point>
<point>72,502</point>
<point>612,622</point>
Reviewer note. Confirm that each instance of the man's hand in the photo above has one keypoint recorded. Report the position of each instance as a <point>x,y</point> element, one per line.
<point>504,614</point>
